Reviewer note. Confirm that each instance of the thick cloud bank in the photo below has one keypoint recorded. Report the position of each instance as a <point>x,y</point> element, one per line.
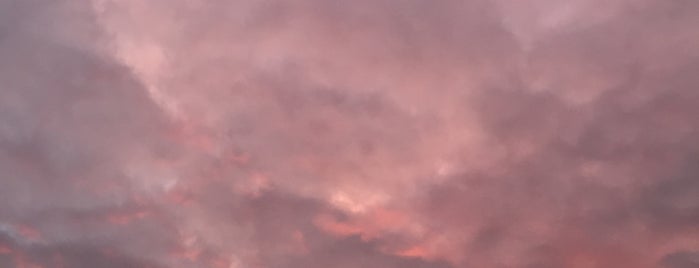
<point>366,133</point>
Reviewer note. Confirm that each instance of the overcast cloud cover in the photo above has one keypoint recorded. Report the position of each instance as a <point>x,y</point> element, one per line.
<point>363,133</point>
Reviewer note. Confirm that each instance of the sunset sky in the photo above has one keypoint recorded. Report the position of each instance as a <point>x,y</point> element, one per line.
<point>349,133</point>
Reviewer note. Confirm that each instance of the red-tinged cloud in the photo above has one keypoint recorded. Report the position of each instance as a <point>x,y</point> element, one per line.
<point>318,133</point>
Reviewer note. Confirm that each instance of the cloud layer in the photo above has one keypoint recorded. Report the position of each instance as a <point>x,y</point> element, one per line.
<point>318,133</point>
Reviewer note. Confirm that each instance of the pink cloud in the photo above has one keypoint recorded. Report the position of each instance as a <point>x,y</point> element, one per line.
<point>479,133</point>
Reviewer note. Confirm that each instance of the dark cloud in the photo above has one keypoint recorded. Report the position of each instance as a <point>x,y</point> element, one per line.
<point>65,255</point>
<point>681,259</point>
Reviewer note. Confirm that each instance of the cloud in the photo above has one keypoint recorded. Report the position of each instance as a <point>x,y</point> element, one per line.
<point>480,133</point>
<point>681,259</point>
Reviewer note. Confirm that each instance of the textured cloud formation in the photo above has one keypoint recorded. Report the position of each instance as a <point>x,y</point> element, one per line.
<point>367,133</point>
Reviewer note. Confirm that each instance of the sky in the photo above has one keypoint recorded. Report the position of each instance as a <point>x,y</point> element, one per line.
<point>363,133</point>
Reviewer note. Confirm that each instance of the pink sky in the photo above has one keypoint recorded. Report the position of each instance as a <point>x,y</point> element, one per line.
<point>363,133</point>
